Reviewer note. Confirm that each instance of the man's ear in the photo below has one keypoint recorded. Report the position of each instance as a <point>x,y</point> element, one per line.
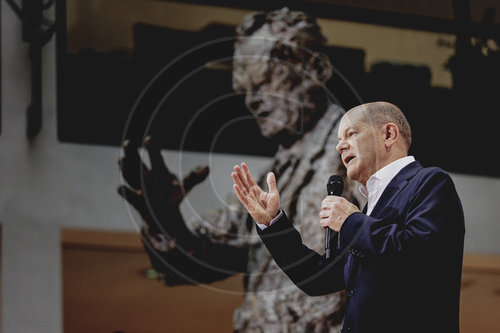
<point>391,134</point>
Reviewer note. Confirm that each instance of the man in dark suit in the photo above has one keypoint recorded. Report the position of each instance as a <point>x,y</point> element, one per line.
<point>400,260</point>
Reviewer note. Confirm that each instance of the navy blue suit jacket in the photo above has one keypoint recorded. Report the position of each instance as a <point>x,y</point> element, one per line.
<point>401,266</point>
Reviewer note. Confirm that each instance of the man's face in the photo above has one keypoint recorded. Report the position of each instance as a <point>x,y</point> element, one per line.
<point>277,92</point>
<point>360,146</point>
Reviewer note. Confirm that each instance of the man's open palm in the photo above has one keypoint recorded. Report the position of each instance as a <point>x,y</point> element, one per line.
<point>262,206</point>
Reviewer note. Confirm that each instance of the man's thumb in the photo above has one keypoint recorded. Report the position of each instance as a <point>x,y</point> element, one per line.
<point>271,183</point>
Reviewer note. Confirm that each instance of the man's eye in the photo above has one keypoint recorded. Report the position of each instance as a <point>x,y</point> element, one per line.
<point>351,133</point>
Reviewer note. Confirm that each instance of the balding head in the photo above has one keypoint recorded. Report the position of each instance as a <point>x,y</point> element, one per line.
<point>381,113</point>
<point>372,136</point>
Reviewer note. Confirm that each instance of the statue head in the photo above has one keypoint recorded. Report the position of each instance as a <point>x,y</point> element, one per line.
<point>280,66</point>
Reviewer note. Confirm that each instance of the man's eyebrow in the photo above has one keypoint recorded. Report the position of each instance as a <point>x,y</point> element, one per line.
<point>345,131</point>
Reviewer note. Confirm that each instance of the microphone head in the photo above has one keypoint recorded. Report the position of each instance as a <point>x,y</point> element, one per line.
<point>335,185</point>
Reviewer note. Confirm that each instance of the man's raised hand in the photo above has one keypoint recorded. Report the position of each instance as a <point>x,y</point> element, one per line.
<point>262,206</point>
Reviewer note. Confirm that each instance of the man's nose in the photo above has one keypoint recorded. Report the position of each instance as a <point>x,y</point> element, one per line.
<point>341,146</point>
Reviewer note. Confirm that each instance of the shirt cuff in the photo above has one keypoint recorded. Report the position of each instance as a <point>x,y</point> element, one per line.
<point>263,226</point>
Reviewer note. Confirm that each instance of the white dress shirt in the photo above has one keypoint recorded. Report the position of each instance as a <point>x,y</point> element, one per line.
<point>375,185</point>
<point>263,226</point>
<point>377,182</point>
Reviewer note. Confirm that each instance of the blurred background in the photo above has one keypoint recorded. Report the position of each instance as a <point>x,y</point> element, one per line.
<point>80,76</point>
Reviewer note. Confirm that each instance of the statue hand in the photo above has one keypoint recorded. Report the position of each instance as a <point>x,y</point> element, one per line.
<point>154,192</point>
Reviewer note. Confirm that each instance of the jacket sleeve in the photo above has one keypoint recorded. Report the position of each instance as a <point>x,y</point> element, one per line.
<point>432,216</point>
<point>307,269</point>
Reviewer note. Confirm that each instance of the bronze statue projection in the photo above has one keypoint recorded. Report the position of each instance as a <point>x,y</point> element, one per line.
<point>279,65</point>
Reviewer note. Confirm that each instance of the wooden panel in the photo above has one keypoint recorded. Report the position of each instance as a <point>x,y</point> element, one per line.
<point>481,262</point>
<point>479,303</point>
<point>106,289</point>
<point>96,239</point>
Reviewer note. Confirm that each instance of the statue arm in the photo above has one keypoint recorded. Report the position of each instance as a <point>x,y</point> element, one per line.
<point>181,254</point>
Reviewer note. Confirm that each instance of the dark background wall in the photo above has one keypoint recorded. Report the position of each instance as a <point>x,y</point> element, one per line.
<point>131,73</point>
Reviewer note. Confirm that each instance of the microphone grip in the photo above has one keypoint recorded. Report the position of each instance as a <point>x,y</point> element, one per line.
<point>334,186</point>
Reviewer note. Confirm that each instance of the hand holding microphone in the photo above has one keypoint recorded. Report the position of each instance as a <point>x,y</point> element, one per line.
<point>334,211</point>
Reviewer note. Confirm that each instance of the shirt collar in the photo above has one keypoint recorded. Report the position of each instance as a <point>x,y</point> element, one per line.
<point>380,179</point>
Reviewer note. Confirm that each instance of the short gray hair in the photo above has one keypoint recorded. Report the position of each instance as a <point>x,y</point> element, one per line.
<point>381,113</point>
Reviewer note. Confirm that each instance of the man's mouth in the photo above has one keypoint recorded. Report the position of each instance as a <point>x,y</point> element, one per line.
<point>348,159</point>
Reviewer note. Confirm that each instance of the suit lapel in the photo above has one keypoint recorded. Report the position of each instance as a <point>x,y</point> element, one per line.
<point>391,191</point>
<point>394,187</point>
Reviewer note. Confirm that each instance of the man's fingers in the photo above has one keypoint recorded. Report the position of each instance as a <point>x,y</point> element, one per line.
<point>271,183</point>
<point>244,191</point>
<point>324,214</point>
<point>243,183</point>
<point>242,195</point>
<point>248,175</point>
<point>237,180</point>
<point>249,181</point>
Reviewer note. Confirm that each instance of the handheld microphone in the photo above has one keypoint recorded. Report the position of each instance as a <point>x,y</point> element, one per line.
<point>334,186</point>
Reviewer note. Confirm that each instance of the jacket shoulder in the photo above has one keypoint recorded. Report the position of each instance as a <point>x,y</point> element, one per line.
<point>426,173</point>
<point>431,179</point>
